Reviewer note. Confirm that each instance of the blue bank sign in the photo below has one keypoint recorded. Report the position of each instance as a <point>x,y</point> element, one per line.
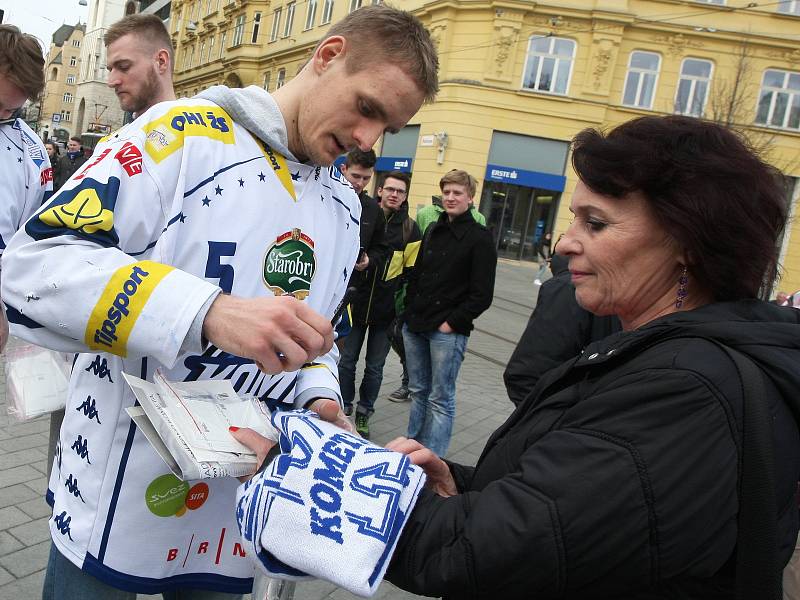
<point>531,179</point>
<point>394,163</point>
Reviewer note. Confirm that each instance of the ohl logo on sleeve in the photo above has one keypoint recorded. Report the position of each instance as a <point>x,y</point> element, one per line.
<point>86,211</point>
<point>289,265</point>
<point>165,134</point>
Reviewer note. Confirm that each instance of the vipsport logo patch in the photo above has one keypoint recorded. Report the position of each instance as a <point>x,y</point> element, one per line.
<point>165,134</point>
<point>289,265</point>
<point>168,496</point>
<point>120,305</point>
<point>86,211</point>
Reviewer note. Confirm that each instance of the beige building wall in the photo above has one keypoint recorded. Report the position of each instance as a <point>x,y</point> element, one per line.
<point>62,66</point>
<point>484,52</point>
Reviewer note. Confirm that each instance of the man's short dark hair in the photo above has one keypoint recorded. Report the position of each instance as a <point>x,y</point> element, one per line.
<point>360,158</point>
<point>146,25</point>
<point>381,33</point>
<point>705,186</point>
<point>399,175</point>
<point>21,60</point>
<point>75,138</point>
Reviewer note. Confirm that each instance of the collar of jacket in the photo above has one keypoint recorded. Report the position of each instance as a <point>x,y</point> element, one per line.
<point>742,324</point>
<point>459,225</point>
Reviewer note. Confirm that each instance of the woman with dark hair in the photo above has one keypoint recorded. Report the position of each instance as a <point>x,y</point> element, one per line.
<point>663,461</point>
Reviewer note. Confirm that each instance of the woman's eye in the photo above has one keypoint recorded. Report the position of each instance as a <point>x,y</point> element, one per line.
<point>595,225</point>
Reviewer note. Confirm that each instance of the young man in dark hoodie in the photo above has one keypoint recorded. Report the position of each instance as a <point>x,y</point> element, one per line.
<point>373,309</point>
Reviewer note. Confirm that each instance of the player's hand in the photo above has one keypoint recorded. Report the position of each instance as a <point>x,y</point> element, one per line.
<point>440,480</point>
<point>279,333</point>
<point>327,409</point>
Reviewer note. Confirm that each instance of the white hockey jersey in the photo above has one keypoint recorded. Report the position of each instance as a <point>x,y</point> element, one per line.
<point>27,176</point>
<point>116,266</point>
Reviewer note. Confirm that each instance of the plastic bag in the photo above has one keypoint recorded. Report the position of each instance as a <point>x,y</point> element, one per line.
<point>37,380</point>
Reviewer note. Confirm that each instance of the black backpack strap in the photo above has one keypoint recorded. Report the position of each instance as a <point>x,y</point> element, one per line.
<point>757,572</point>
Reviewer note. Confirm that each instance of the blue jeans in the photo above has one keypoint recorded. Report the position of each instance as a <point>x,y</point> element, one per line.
<point>377,350</point>
<point>65,581</point>
<point>433,360</point>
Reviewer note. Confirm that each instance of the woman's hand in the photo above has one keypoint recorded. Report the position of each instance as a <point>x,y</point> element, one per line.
<point>327,409</point>
<point>439,478</point>
<point>445,328</point>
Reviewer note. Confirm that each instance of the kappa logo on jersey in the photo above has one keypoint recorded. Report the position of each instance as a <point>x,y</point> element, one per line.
<point>86,211</point>
<point>130,158</point>
<point>120,305</point>
<point>100,368</point>
<point>62,522</point>
<point>168,496</point>
<point>290,264</point>
<point>165,134</point>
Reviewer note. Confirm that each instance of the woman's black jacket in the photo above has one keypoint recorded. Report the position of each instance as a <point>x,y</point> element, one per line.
<point>617,477</point>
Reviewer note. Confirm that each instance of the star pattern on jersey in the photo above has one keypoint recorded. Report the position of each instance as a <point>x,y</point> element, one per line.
<point>206,201</point>
<point>261,176</point>
<point>295,176</point>
<point>218,190</point>
<point>241,182</point>
<point>182,217</point>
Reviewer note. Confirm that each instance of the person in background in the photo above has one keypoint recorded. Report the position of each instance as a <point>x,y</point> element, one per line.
<point>373,309</point>
<point>431,213</point>
<point>72,160</point>
<point>558,329</point>
<point>27,177</point>
<point>53,154</point>
<point>451,284</point>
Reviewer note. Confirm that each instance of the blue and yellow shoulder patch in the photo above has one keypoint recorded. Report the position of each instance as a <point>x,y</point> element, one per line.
<point>164,135</point>
<point>86,211</point>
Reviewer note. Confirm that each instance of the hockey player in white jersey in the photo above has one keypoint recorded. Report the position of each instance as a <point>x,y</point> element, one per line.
<point>208,239</point>
<point>27,175</point>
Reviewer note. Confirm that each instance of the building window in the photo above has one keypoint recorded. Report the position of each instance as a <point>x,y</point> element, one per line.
<point>73,61</point>
<point>549,64</point>
<point>76,43</point>
<point>287,26</point>
<point>66,115</point>
<point>354,5</point>
<point>208,7</point>
<point>211,48</point>
<point>67,97</point>
<point>267,76</point>
<point>640,84</point>
<point>222,39</point>
<point>195,10</point>
<point>311,13</point>
<point>693,87</point>
<point>202,57</point>
<point>54,74</point>
<point>238,30</point>
<point>327,12</point>
<point>276,24</point>
<point>187,61</point>
<point>281,79</point>
<point>779,100</point>
<point>789,7</point>
<point>256,27</point>
<point>70,78</point>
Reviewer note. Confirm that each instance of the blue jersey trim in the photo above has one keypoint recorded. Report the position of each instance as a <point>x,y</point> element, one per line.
<point>49,497</point>
<point>16,317</point>
<point>149,585</point>
<point>120,476</point>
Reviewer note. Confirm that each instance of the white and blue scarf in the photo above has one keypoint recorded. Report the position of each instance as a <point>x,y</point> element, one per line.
<point>332,505</point>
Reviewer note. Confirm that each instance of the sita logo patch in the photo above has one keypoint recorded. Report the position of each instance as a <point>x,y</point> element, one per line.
<point>289,265</point>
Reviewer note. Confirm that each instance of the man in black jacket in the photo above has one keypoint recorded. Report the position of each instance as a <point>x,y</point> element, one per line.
<point>373,308</point>
<point>450,286</point>
<point>358,169</point>
<point>72,160</point>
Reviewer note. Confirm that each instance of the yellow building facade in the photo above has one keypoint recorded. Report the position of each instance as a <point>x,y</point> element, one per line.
<point>519,79</point>
<point>61,72</point>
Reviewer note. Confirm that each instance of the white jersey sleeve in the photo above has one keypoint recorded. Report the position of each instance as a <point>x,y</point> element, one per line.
<point>71,276</point>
